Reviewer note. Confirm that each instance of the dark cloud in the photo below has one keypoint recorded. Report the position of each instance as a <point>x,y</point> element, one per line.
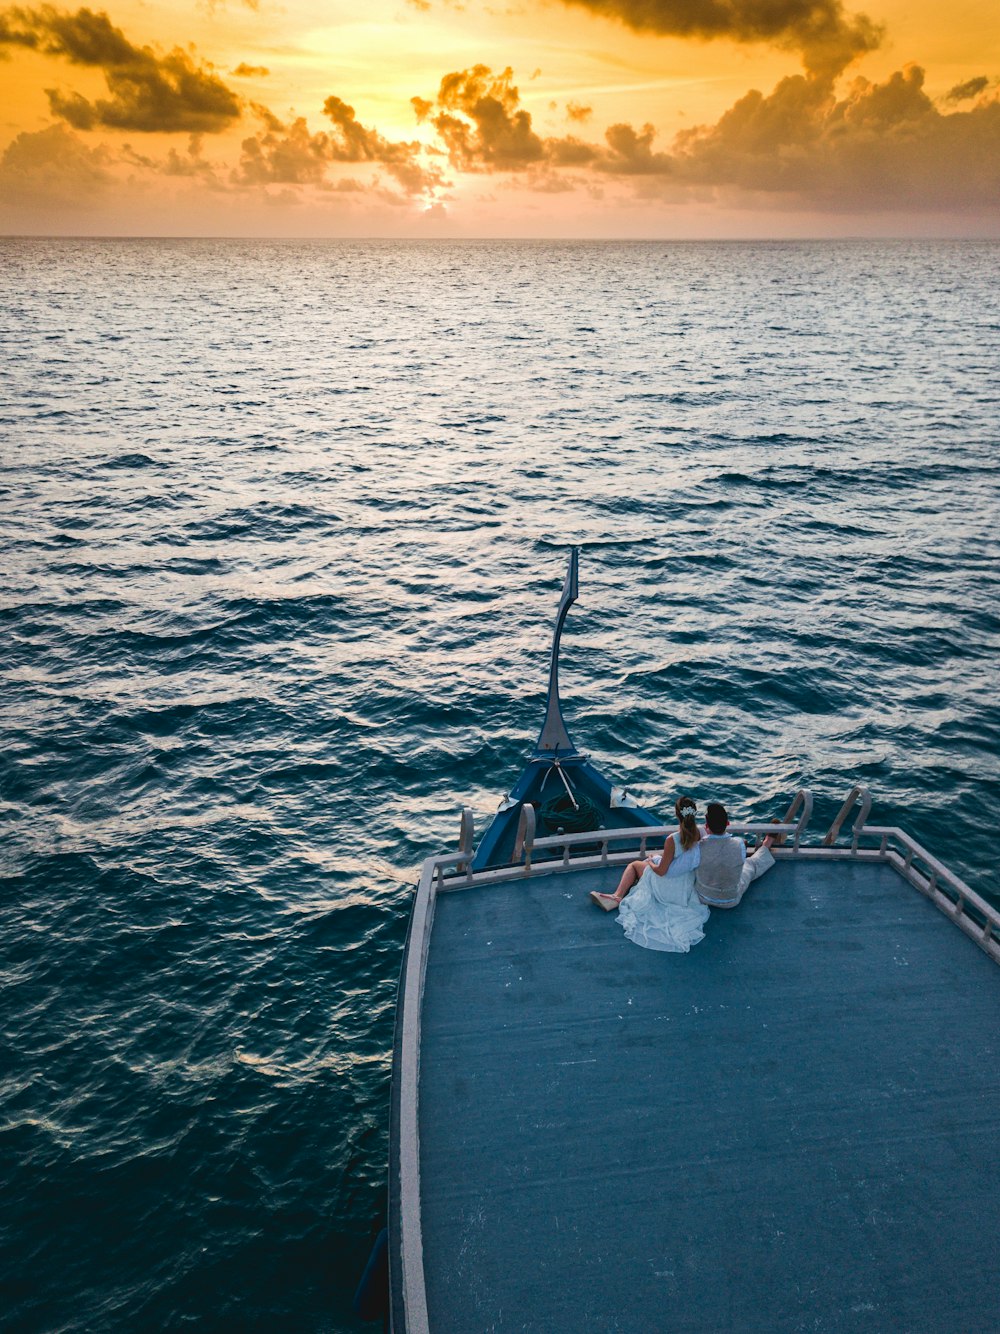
<point>480,121</point>
<point>73,108</point>
<point>570,152</point>
<point>85,38</point>
<point>295,155</point>
<point>962,92</point>
<point>880,146</point>
<point>630,153</point>
<point>484,128</point>
<point>245,71</point>
<point>877,146</point>
<point>148,92</point>
<point>267,116</point>
<point>576,112</point>
<point>151,92</point>
<point>353,142</point>
<point>827,37</point>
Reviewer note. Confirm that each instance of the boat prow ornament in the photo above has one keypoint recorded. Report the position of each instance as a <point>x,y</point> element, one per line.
<point>567,793</point>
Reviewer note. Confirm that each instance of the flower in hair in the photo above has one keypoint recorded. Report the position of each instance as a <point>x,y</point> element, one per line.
<point>688,810</point>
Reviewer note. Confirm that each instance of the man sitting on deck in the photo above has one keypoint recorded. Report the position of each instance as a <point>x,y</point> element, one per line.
<point>725,873</point>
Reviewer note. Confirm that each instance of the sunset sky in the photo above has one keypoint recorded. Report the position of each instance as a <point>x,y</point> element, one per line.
<point>566,118</point>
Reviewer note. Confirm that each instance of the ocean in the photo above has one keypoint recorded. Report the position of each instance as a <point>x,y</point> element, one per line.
<point>283,529</point>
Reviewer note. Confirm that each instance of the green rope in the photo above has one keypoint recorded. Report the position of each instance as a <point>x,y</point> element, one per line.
<point>559,816</point>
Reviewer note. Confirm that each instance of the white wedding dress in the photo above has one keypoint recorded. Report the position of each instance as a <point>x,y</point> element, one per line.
<point>663,912</point>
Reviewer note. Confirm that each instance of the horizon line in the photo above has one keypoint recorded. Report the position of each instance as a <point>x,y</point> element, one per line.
<point>562,240</point>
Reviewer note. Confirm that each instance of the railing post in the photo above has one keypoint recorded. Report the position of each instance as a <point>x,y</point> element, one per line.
<point>525,839</point>
<point>466,830</point>
<point>856,794</point>
<point>862,820</point>
<point>803,798</point>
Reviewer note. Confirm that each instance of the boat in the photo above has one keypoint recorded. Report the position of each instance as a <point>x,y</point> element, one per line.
<point>792,1127</point>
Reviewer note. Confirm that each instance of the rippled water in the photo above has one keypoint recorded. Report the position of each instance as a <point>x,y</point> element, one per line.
<point>283,531</point>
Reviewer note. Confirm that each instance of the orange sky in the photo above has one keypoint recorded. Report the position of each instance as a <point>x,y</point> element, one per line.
<point>631,118</point>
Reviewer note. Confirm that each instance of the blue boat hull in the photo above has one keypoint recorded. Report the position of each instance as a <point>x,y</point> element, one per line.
<point>541,786</point>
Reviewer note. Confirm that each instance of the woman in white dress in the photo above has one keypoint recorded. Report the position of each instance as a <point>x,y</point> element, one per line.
<point>658,905</point>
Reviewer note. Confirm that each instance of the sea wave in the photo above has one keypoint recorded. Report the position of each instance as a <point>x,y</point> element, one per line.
<point>283,565</point>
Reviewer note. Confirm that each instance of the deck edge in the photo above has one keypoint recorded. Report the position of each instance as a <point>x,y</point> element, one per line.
<point>408,1297</point>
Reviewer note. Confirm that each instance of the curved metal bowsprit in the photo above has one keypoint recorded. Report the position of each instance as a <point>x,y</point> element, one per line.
<point>554,740</point>
<point>558,783</point>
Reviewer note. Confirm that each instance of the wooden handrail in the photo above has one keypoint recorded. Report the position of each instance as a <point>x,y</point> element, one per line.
<point>947,890</point>
<point>856,794</point>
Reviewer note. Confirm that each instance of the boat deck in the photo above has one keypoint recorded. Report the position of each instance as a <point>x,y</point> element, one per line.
<point>793,1127</point>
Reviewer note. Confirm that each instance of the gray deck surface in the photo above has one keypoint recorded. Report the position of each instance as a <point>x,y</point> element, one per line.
<point>793,1127</point>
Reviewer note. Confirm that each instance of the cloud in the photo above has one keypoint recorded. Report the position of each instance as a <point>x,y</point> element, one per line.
<point>190,164</point>
<point>480,122</point>
<point>267,116</point>
<point>881,146</point>
<point>484,129</point>
<point>815,141</point>
<point>148,92</point>
<point>353,142</point>
<point>631,153</point>
<point>295,155</point>
<point>551,183</point>
<point>875,147</point>
<point>53,168</point>
<point>962,92</point>
<point>245,71</point>
<point>828,38</point>
<point>286,156</point>
<point>570,152</point>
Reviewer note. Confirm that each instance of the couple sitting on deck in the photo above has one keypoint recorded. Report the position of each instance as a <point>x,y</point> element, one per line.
<point>663,901</point>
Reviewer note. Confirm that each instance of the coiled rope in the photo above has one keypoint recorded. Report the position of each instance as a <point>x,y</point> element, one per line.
<point>559,815</point>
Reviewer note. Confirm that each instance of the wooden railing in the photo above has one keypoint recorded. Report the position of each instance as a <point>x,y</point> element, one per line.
<point>979,919</point>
